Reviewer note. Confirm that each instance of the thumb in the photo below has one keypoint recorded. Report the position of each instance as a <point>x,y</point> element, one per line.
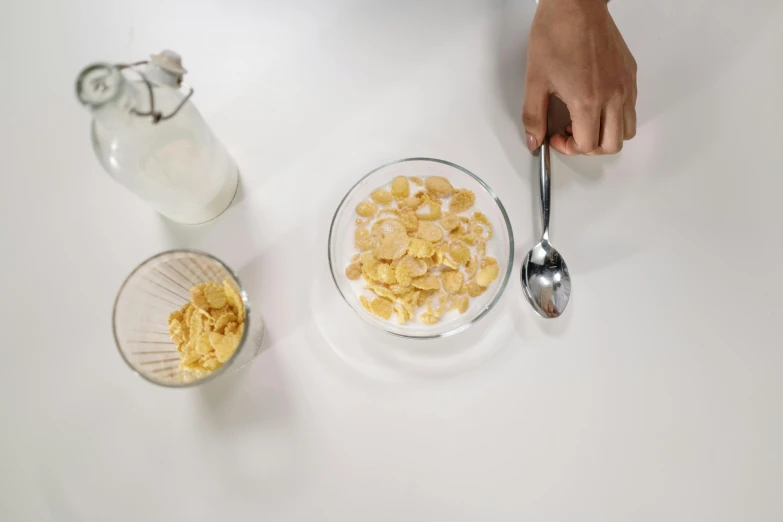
<point>534,113</point>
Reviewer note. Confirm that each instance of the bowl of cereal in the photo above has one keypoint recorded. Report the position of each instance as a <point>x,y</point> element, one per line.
<point>182,317</point>
<point>421,248</point>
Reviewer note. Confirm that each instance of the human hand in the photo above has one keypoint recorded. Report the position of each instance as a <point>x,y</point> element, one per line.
<point>576,53</point>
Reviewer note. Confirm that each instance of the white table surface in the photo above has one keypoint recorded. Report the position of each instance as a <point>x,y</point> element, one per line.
<point>658,396</point>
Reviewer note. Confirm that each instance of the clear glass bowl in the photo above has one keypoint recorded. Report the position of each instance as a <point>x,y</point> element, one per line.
<point>157,287</point>
<point>341,244</point>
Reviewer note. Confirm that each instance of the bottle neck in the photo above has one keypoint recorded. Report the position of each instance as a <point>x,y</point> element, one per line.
<point>109,96</point>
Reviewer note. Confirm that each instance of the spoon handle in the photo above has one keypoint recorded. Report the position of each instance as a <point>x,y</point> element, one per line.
<point>545,178</point>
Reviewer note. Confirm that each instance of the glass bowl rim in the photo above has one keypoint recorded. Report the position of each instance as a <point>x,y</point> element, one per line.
<point>240,346</point>
<point>503,284</point>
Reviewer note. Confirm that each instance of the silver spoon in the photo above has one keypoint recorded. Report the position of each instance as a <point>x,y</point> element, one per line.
<point>545,277</point>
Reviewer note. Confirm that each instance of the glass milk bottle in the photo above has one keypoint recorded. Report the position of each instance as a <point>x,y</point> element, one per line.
<point>150,137</point>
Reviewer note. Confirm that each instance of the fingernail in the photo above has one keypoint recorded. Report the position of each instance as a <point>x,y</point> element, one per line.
<point>532,144</point>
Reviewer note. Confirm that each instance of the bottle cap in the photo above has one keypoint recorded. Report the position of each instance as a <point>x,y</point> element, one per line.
<point>165,68</point>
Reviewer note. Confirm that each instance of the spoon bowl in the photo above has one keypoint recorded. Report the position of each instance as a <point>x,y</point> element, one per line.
<point>544,276</point>
<point>546,281</point>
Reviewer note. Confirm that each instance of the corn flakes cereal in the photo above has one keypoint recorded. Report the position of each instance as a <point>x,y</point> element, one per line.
<point>404,278</point>
<point>461,201</point>
<point>488,261</point>
<point>403,257</point>
<point>383,308</point>
<point>480,217</point>
<point>409,219</point>
<point>400,188</point>
<point>409,268</point>
<point>196,324</point>
<point>234,301</point>
<point>459,251</point>
<point>223,320</point>
<point>386,274</point>
<point>471,267</point>
<point>470,239</point>
<point>197,297</point>
<point>353,271</point>
<point>438,185</point>
<point>481,247</point>
<point>462,304</point>
<point>412,202</point>
<point>217,313</point>
<point>450,221</point>
<point>369,265</point>
<point>427,282</point>
<point>211,364</point>
<point>382,196</point>
<point>452,281</point>
<point>428,318</point>
<point>410,309</point>
<point>421,248</point>
<point>429,231</point>
<point>450,263</point>
<point>437,257</point>
<point>386,226</point>
<point>402,315</point>
<point>474,289</point>
<point>458,232</point>
<point>367,209</point>
<point>207,330</point>
<point>480,223</point>
<point>223,345</point>
<point>190,355</point>
<point>363,240</point>
<point>415,267</point>
<point>381,291</point>
<point>392,239</point>
<point>399,290</point>
<point>434,211</point>
<point>488,273</point>
<point>367,258</point>
<point>189,311</point>
<point>178,315</point>
<point>203,347</point>
<point>177,331</point>
<point>443,305</point>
